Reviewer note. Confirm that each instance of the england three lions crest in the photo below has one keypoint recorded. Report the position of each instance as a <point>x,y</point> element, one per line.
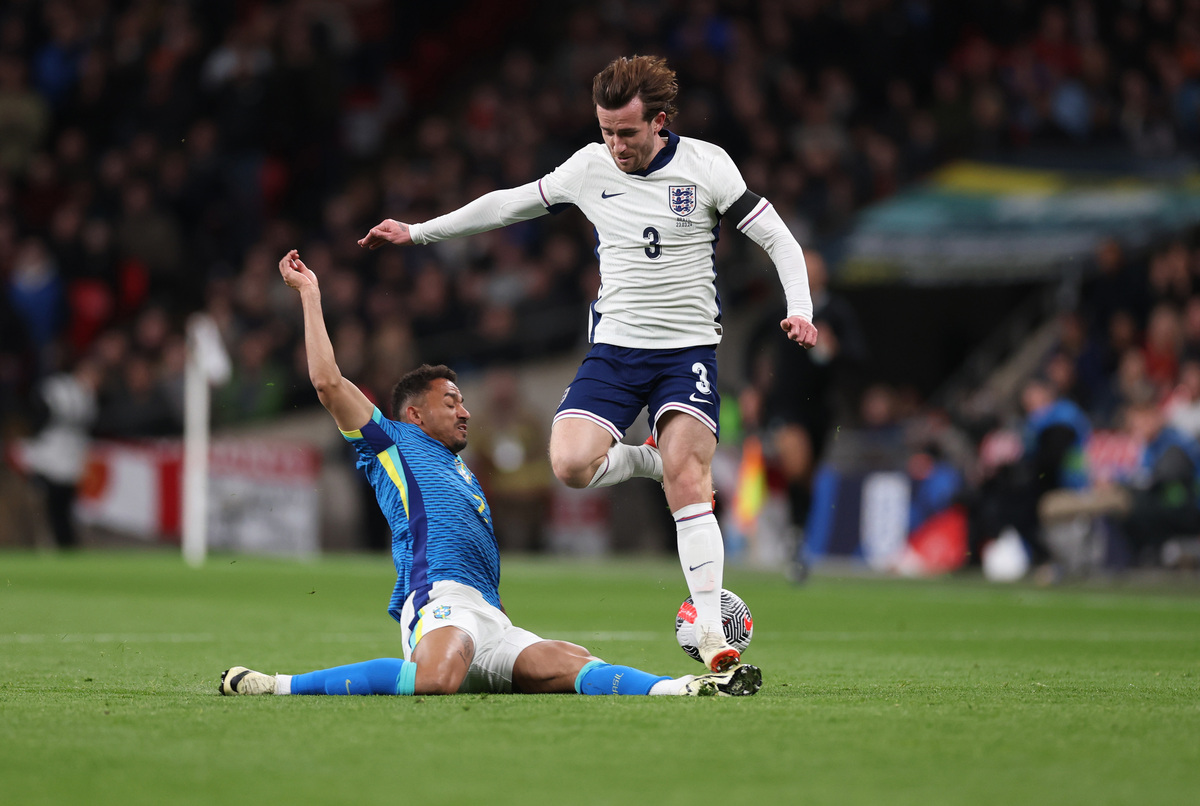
<point>683,199</point>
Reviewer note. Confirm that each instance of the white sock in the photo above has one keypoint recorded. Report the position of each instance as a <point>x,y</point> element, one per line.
<point>668,687</point>
<point>624,462</point>
<point>702,557</point>
<point>283,684</point>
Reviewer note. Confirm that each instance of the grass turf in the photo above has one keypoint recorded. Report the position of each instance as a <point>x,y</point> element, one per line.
<point>894,692</point>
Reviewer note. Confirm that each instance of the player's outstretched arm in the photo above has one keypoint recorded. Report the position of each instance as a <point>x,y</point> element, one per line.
<point>387,231</point>
<point>350,408</point>
<point>490,211</point>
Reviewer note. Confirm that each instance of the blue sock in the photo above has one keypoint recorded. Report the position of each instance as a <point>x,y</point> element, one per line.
<point>598,677</point>
<point>379,676</point>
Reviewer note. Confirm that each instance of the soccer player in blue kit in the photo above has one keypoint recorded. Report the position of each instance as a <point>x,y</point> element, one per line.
<point>657,201</point>
<point>455,633</point>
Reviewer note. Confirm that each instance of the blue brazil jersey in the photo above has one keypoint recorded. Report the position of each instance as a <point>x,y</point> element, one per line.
<point>441,523</point>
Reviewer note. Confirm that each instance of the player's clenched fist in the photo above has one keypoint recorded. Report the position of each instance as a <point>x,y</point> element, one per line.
<point>800,330</point>
<point>387,231</point>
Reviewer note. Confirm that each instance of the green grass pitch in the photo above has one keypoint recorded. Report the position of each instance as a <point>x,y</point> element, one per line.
<point>876,692</point>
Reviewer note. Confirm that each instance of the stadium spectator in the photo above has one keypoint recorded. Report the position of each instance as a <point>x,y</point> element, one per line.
<point>1115,285</point>
<point>134,404</point>
<point>1162,346</point>
<point>509,446</point>
<point>1166,489</point>
<point>24,116</point>
<point>57,455</point>
<point>1056,431</point>
<point>1182,407</point>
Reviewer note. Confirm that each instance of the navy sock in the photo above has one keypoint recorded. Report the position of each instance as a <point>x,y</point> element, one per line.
<point>599,677</point>
<point>379,676</point>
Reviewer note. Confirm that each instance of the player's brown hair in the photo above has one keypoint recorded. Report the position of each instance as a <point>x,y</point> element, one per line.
<point>416,383</point>
<point>645,77</point>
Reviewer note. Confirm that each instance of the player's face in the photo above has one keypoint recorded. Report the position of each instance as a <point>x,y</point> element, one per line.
<point>631,140</point>
<point>443,415</point>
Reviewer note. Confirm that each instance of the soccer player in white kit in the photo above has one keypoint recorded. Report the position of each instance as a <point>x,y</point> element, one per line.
<point>656,201</point>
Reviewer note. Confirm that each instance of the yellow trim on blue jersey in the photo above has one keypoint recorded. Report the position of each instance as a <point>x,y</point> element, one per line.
<point>390,459</point>
<point>376,416</point>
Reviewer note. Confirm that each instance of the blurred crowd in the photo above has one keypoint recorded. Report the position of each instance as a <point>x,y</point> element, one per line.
<point>1091,457</point>
<point>157,157</point>
<point>1111,432</point>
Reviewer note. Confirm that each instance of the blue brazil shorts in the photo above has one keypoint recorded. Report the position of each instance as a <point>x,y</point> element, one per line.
<point>614,383</point>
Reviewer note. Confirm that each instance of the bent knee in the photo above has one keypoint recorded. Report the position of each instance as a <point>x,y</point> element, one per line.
<point>441,676</point>
<point>438,681</point>
<point>572,469</point>
<point>572,475</point>
<point>549,667</point>
<point>577,447</point>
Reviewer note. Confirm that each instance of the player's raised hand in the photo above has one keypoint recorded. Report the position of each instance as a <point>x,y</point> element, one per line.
<point>295,273</point>
<point>386,231</point>
<point>800,330</point>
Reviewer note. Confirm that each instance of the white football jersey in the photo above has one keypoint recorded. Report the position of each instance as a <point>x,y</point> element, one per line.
<point>657,231</point>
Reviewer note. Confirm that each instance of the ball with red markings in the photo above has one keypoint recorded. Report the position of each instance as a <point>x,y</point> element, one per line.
<point>736,621</point>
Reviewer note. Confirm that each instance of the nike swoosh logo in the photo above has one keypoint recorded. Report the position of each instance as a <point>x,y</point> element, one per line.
<point>701,565</point>
<point>605,195</point>
<point>695,399</point>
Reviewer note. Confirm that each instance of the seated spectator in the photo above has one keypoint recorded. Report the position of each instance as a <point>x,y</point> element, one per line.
<point>1055,433</point>
<point>1155,500</point>
<point>1163,344</point>
<point>1056,430</point>
<point>1166,490</point>
<point>1183,405</point>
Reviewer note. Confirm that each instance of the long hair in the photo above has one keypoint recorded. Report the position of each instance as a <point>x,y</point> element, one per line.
<point>645,77</point>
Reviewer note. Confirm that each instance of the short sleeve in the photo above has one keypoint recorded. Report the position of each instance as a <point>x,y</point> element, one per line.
<point>371,440</point>
<point>727,183</point>
<point>563,185</point>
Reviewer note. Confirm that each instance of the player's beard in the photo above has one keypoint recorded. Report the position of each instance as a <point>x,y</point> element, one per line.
<point>458,442</point>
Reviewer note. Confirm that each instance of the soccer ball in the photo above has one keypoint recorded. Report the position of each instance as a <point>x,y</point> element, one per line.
<point>735,619</point>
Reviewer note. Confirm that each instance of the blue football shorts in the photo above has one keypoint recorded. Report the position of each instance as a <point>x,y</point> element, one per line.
<point>614,383</point>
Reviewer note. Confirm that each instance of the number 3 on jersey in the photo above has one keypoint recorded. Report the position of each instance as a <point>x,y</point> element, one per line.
<point>654,249</point>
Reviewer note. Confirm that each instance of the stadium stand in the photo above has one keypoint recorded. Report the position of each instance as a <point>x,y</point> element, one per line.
<point>157,158</point>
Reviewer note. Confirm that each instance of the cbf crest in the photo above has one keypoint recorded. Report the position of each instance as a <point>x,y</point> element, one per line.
<point>683,199</point>
<point>463,471</point>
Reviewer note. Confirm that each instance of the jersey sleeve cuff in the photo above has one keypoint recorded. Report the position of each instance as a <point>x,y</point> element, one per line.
<point>356,434</point>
